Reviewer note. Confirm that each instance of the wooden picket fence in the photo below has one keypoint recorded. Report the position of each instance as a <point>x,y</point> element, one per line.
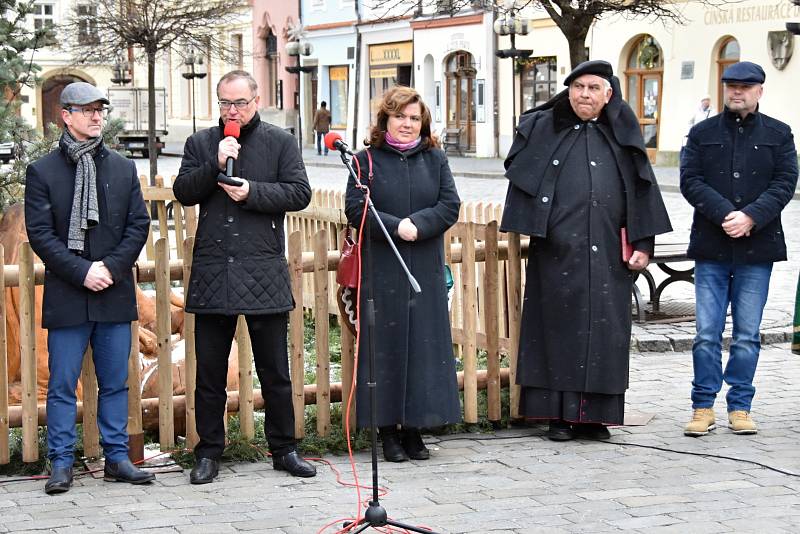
<point>485,316</point>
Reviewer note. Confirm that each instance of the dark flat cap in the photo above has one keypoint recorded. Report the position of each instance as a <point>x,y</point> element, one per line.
<point>745,73</point>
<point>598,67</point>
<point>81,93</point>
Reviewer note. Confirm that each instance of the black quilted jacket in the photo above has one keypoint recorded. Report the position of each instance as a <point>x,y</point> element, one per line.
<point>238,265</point>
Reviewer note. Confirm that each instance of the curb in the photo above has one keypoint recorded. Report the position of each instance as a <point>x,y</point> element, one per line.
<point>646,342</point>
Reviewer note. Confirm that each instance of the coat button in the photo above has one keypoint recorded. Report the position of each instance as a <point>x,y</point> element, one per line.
<point>738,199</point>
<point>755,147</point>
<point>594,248</point>
<point>741,129</point>
<point>577,126</point>
<point>555,162</point>
<point>736,174</point>
<point>593,164</point>
<point>230,218</point>
<point>230,259</point>
<point>594,203</point>
<point>545,199</point>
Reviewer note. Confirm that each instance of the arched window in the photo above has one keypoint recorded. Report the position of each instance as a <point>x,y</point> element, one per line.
<point>729,54</point>
<point>644,76</point>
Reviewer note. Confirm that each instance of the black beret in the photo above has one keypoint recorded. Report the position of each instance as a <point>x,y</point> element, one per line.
<point>745,73</point>
<point>598,67</point>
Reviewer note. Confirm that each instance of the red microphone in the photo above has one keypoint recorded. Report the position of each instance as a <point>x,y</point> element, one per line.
<point>333,141</point>
<point>232,129</point>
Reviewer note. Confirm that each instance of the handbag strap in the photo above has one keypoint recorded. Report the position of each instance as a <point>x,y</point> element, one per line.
<point>358,165</point>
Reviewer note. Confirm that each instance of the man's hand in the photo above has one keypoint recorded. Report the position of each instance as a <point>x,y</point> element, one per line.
<point>228,147</point>
<point>407,230</point>
<point>738,224</point>
<point>638,261</point>
<point>99,277</point>
<point>237,193</point>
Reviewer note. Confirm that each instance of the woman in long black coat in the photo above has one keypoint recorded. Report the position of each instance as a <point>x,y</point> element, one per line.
<point>415,197</point>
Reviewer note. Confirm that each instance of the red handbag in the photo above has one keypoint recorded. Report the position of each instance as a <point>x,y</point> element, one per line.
<point>347,270</point>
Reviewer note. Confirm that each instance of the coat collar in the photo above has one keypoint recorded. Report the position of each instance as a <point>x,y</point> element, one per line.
<point>246,129</point>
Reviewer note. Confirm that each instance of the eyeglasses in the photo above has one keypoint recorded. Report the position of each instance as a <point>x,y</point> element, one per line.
<point>89,112</point>
<point>240,104</point>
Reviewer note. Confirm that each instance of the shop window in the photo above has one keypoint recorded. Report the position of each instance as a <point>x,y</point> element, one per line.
<point>538,81</point>
<point>338,91</point>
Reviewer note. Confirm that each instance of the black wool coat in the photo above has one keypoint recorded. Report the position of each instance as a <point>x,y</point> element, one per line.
<point>116,241</point>
<point>415,368</point>
<point>731,164</point>
<point>239,264</point>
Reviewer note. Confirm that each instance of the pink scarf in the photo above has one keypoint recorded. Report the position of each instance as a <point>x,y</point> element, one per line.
<point>391,141</point>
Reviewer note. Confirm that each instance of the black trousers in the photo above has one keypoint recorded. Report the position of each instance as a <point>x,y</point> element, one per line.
<point>213,338</point>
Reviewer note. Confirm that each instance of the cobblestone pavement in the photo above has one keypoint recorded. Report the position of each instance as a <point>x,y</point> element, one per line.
<point>514,481</point>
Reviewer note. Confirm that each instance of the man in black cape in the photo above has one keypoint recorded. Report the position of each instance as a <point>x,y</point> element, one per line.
<point>579,174</point>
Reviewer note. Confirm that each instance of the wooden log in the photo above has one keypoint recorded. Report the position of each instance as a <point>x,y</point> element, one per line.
<point>5,453</point>
<point>166,434</point>
<point>296,349</point>
<point>245,354</point>
<point>321,333</point>
<point>514,317</point>
<point>491,289</point>
<point>27,352</point>
<point>91,435</point>
<point>190,356</point>
<point>470,326</point>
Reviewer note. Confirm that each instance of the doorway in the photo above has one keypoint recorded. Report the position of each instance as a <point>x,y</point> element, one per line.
<point>461,88</point>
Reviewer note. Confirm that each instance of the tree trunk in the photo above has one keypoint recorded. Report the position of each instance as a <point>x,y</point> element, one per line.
<point>151,115</point>
<point>577,48</point>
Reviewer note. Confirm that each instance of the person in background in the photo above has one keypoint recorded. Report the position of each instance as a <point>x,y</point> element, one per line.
<point>703,112</point>
<point>416,198</point>
<point>739,171</point>
<point>87,221</point>
<point>239,267</point>
<point>322,125</point>
<point>578,175</point>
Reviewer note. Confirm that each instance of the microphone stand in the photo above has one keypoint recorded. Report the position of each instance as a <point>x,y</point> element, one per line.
<point>375,515</point>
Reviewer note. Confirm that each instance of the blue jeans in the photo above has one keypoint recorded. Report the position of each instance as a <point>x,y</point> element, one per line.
<point>111,345</point>
<point>745,288</point>
<point>321,143</point>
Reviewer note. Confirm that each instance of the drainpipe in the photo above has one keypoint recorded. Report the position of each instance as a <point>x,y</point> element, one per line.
<point>495,87</point>
<point>354,140</point>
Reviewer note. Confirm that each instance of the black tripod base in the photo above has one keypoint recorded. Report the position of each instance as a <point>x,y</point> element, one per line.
<point>375,516</point>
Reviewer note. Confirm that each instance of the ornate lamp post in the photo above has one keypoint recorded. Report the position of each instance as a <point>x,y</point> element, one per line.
<point>296,49</point>
<point>121,71</point>
<point>194,68</point>
<point>512,24</point>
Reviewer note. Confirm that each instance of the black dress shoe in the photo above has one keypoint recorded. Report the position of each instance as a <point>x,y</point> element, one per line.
<point>592,431</point>
<point>204,471</point>
<point>125,471</point>
<point>560,430</point>
<point>392,447</point>
<point>60,480</point>
<point>413,444</point>
<point>292,463</point>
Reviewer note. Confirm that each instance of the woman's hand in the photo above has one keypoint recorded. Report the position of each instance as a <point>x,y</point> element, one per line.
<point>406,230</point>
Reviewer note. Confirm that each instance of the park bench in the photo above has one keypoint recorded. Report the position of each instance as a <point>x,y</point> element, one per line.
<point>663,255</point>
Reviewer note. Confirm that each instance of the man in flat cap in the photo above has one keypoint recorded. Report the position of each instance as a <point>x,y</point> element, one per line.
<point>739,170</point>
<point>87,221</point>
<point>579,175</point>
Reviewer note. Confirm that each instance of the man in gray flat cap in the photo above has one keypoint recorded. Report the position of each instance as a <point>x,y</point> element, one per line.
<point>738,170</point>
<point>579,174</point>
<point>87,221</point>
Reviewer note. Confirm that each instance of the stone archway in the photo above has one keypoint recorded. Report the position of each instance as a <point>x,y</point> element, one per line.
<point>50,104</point>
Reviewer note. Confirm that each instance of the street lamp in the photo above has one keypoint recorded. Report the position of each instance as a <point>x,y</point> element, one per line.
<point>190,74</point>
<point>121,71</point>
<point>512,25</point>
<point>297,49</point>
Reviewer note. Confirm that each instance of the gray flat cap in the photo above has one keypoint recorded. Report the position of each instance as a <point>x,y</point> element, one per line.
<point>81,93</point>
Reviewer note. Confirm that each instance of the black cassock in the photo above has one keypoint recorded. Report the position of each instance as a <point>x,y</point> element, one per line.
<point>576,320</point>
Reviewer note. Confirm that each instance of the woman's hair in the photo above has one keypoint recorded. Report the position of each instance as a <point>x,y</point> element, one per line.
<point>394,101</point>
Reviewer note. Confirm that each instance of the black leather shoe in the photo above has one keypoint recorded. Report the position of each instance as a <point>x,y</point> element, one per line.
<point>125,471</point>
<point>413,444</point>
<point>59,482</point>
<point>560,430</point>
<point>392,447</point>
<point>204,471</point>
<point>292,463</point>
<point>592,431</point>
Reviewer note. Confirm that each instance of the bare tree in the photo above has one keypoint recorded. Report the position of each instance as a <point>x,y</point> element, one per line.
<point>573,17</point>
<point>97,31</point>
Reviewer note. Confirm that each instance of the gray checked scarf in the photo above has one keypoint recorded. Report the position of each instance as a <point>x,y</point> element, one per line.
<point>85,214</point>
